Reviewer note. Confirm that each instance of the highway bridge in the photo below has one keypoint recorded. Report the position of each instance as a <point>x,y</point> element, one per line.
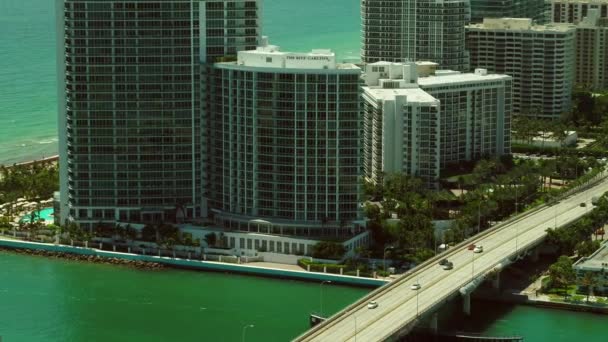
<point>400,307</point>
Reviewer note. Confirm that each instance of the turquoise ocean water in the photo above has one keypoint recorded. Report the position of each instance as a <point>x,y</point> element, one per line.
<point>28,105</point>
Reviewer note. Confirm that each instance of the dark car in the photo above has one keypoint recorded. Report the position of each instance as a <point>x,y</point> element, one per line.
<point>471,247</point>
<point>443,262</point>
<point>448,266</point>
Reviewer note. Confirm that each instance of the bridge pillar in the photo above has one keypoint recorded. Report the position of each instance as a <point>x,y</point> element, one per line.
<point>434,323</point>
<point>496,281</point>
<point>466,304</point>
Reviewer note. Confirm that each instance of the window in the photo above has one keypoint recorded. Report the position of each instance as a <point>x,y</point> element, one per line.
<point>268,59</point>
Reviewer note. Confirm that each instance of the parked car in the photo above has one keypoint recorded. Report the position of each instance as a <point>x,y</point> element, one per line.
<point>478,249</point>
<point>372,305</point>
<point>415,286</point>
<point>448,266</point>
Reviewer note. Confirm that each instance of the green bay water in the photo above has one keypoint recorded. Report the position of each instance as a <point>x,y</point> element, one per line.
<point>28,94</point>
<point>533,323</point>
<point>57,300</point>
<point>53,300</point>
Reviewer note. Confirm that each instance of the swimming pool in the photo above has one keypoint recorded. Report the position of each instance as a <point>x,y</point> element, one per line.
<point>45,214</point>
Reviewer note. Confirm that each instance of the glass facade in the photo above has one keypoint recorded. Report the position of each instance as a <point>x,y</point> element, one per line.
<point>285,145</point>
<point>132,109</point>
<point>415,30</point>
<point>534,9</point>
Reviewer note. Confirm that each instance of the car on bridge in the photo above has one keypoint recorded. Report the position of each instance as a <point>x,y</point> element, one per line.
<point>478,249</point>
<point>443,262</point>
<point>471,247</point>
<point>448,266</point>
<point>583,204</point>
<point>372,305</point>
<point>415,286</point>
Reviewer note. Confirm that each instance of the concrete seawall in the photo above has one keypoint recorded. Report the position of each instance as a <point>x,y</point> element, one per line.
<point>199,265</point>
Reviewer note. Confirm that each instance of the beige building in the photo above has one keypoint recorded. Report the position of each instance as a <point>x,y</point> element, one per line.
<point>592,51</point>
<point>573,11</point>
<point>540,58</point>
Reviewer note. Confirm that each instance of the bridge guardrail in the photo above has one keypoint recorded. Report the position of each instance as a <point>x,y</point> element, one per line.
<point>432,261</point>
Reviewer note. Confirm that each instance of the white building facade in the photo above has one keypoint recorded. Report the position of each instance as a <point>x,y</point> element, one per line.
<point>418,120</point>
<point>540,58</point>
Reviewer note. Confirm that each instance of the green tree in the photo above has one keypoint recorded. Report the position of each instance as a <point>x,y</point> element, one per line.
<point>148,233</point>
<point>211,239</point>
<point>562,274</point>
<point>328,250</point>
<point>587,247</point>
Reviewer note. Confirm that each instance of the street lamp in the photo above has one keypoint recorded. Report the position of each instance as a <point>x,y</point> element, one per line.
<point>321,294</point>
<point>384,256</point>
<point>479,209</point>
<point>245,330</point>
<point>417,292</point>
<point>473,267</point>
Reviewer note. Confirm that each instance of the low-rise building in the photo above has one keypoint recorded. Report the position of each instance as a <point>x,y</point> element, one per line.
<point>597,264</point>
<point>548,139</point>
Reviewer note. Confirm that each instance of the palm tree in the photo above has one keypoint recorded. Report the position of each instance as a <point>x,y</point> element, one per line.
<point>590,281</point>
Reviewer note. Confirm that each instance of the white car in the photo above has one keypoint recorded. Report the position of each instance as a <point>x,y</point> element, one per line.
<point>478,249</point>
<point>415,286</point>
<point>372,305</point>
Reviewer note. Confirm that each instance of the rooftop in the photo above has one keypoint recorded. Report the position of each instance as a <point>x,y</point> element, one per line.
<point>595,261</point>
<point>271,56</point>
<point>444,77</point>
<point>519,24</point>
<point>413,94</point>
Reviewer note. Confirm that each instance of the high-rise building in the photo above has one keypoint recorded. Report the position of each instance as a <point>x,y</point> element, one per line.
<point>230,26</point>
<point>401,124</point>
<point>573,11</point>
<point>476,113</point>
<point>130,124</point>
<point>285,143</point>
<point>539,57</point>
<point>481,9</point>
<point>411,30</point>
<point>592,51</point>
<point>418,120</point>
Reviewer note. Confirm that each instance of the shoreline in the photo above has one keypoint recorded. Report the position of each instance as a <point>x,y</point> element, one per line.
<point>46,160</point>
<point>142,261</point>
<point>523,299</point>
<point>141,265</point>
